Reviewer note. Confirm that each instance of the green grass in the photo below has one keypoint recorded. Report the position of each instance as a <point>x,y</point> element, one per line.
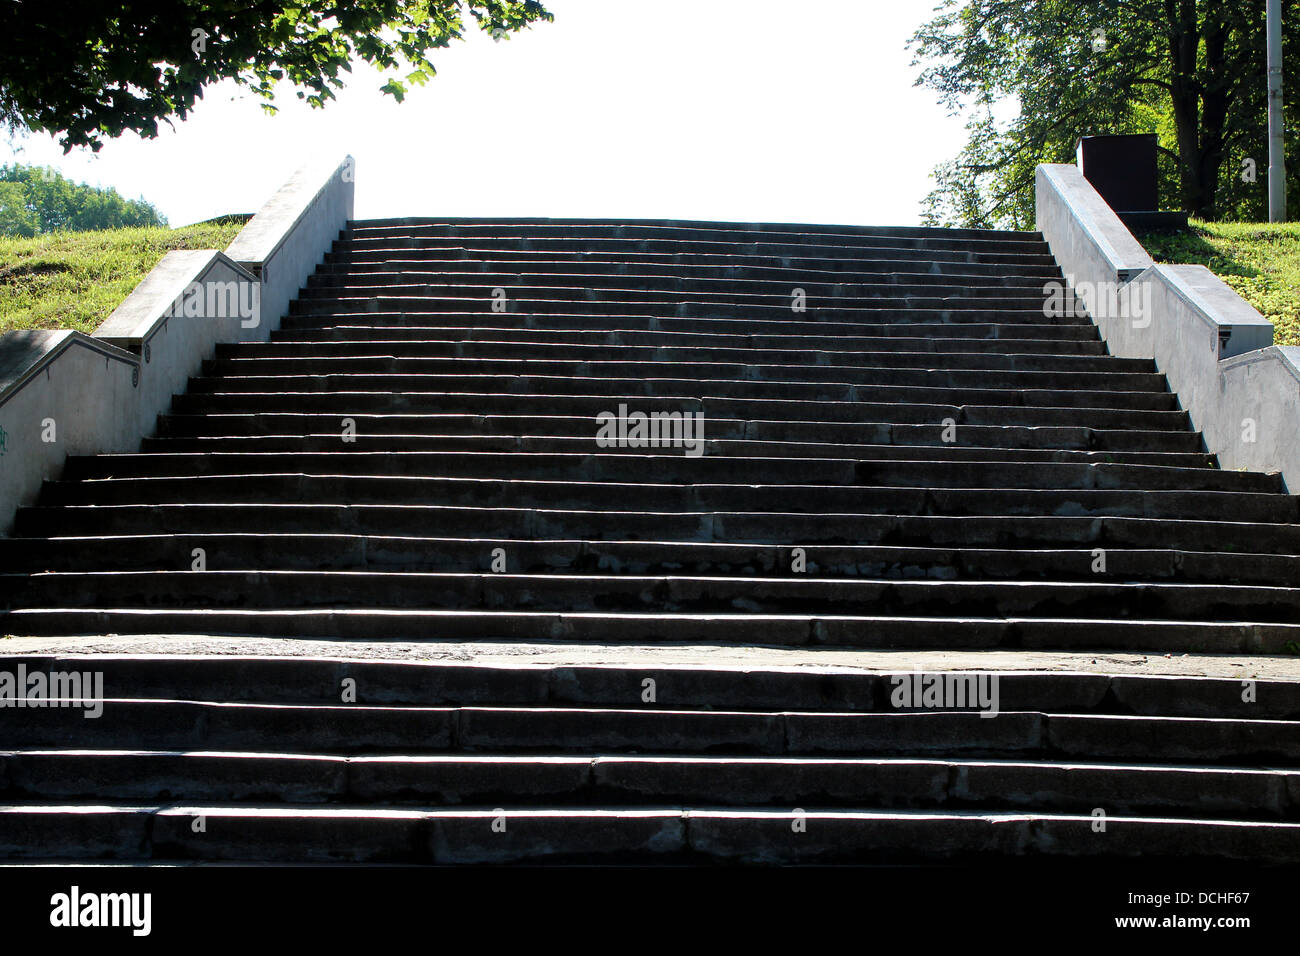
<point>73,280</point>
<point>1261,261</point>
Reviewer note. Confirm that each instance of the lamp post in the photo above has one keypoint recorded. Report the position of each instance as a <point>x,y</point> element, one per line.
<point>1276,158</point>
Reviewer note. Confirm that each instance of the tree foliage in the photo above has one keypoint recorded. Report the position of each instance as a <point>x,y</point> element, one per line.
<point>36,200</point>
<point>1192,71</point>
<point>95,69</point>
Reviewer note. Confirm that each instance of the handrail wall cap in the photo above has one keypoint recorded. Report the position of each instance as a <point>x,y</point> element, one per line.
<point>263,235</point>
<point>1096,219</point>
<point>150,303</point>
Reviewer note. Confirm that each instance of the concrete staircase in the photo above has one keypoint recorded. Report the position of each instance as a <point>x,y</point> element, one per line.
<point>903,453</point>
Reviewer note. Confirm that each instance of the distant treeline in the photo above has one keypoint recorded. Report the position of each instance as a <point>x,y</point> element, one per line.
<point>36,200</point>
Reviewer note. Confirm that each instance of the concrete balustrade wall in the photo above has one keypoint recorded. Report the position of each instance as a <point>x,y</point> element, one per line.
<point>65,393</point>
<point>174,319</point>
<point>286,240</point>
<point>1241,392</point>
<point>65,386</point>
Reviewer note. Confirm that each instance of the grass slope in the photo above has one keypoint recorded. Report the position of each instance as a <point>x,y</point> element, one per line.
<point>1261,261</point>
<point>73,280</point>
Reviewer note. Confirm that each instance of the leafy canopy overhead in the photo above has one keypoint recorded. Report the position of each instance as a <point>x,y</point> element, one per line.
<point>95,69</point>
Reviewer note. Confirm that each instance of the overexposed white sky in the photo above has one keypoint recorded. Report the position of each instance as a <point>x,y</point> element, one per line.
<point>751,110</point>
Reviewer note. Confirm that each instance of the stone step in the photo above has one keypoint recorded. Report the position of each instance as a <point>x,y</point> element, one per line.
<point>570,226</point>
<point>252,552</point>
<point>795,300</point>
<point>667,395</point>
<point>526,263</point>
<point>865,311</point>
<point>586,237</point>
<point>785,269</point>
<point>811,686</point>
<point>590,404</point>
<point>874,326</point>
<point>977,440</point>
<point>765,528</point>
<point>724,630</point>
<point>648,498</point>
<point>831,383</point>
<point>164,833</point>
<point>770,246</point>
<point>628,466</point>
<point>961,354</point>
<point>659,283</point>
<point>692,347</point>
<point>341,344</point>
<point>917,236</point>
<point>801,351</point>
<point>354,729</point>
<point>705,283</point>
<point>582,444</point>
<point>609,781</point>
<point>671,594</point>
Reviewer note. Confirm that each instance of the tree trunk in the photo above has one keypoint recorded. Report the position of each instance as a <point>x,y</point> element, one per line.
<point>1200,108</point>
<point>1215,103</point>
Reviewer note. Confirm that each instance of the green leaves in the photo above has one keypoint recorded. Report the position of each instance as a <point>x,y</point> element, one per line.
<point>36,200</point>
<point>1190,71</point>
<point>108,68</point>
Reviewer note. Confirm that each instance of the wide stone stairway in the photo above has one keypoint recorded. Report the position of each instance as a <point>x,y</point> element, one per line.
<point>904,452</point>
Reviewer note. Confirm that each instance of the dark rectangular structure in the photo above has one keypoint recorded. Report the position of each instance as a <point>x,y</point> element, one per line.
<point>1122,169</point>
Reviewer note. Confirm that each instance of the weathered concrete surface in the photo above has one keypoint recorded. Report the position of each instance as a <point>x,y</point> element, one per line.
<point>1086,236</point>
<point>1242,393</point>
<point>1262,388</point>
<point>508,654</point>
<point>312,208</point>
<point>173,346</point>
<point>65,385</point>
<point>1215,349</point>
<point>393,674</point>
<point>1231,326</point>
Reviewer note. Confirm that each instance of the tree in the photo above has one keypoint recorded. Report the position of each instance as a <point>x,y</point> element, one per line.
<point>17,218</point>
<point>1192,71</point>
<point>35,200</point>
<point>97,69</point>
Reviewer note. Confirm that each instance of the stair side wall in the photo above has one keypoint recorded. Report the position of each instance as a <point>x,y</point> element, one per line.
<point>104,393</point>
<point>1241,391</point>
